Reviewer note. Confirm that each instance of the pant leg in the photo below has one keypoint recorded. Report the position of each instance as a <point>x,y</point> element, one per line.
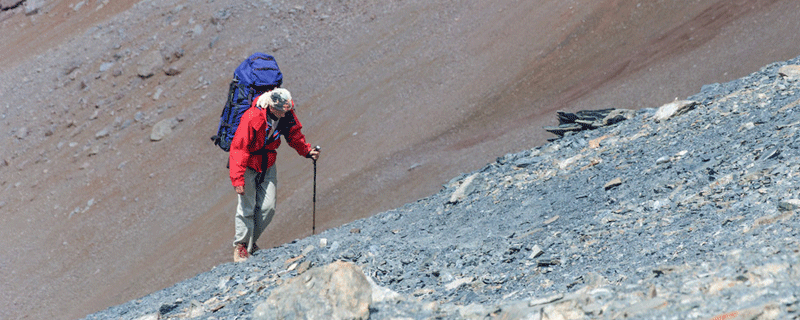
<point>268,198</point>
<point>245,209</point>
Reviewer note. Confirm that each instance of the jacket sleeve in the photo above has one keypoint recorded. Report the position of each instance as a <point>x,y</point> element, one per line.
<point>239,152</point>
<point>296,139</point>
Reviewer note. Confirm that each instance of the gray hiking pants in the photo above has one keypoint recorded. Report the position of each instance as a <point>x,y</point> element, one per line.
<point>256,207</point>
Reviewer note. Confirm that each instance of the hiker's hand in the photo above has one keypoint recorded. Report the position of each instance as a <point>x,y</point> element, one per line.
<point>314,154</point>
<point>239,189</point>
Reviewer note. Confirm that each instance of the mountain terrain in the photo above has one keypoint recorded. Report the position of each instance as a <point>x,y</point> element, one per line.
<point>687,211</point>
<point>110,188</point>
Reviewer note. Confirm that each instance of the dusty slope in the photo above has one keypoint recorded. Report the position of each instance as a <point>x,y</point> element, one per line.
<point>402,96</point>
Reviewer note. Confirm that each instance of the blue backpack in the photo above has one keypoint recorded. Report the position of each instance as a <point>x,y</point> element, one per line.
<point>257,74</point>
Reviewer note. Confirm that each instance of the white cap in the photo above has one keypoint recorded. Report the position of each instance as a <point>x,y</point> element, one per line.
<point>278,98</point>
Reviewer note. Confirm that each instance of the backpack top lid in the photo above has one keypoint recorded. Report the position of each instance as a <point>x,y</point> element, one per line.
<point>259,70</point>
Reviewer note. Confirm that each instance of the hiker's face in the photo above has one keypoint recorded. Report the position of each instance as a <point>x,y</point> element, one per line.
<point>280,112</point>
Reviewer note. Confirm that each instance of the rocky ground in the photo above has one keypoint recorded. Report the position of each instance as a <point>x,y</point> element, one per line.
<point>687,211</point>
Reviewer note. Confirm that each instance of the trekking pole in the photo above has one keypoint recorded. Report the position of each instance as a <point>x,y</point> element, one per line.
<point>314,206</point>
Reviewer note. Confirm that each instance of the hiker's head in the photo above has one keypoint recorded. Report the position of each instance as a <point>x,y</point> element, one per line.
<point>279,101</point>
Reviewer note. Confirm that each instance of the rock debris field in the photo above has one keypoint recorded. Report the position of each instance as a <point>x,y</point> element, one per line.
<point>686,211</point>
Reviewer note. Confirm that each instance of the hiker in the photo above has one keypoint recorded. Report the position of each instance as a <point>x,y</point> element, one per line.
<point>252,164</point>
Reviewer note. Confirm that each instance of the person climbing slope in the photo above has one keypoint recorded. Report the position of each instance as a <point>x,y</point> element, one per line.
<point>252,164</point>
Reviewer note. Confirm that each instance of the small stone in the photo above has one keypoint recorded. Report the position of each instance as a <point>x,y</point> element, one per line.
<point>105,66</point>
<point>644,307</point>
<point>292,260</point>
<point>536,251</point>
<point>172,71</point>
<point>546,300</point>
<point>464,189</point>
<point>595,143</point>
<point>548,262</point>
<point>303,267</point>
<point>674,109</point>
<point>21,133</point>
<point>152,316</point>
<point>149,63</point>
<point>157,95</point>
<point>458,282</point>
<point>101,134</point>
<point>789,205</point>
<point>162,129</point>
<point>790,71</point>
<point>551,220</point>
<point>613,183</point>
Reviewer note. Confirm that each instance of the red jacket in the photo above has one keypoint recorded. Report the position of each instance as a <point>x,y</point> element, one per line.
<point>249,140</point>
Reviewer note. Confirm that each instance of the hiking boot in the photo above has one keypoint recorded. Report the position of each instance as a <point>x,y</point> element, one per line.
<point>240,253</point>
<point>255,248</point>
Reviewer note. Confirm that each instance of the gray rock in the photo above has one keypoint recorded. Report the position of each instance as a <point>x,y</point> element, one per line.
<point>105,66</point>
<point>33,6</point>
<point>674,109</point>
<point>337,291</point>
<point>588,120</point>
<point>465,189</point>
<point>617,115</point>
<point>21,133</point>
<point>102,133</point>
<point>72,66</point>
<point>173,70</point>
<point>789,205</point>
<point>149,63</point>
<point>162,129</point>
<point>790,71</point>
<point>545,300</point>
<point>536,252</point>
<point>152,316</point>
<point>613,183</point>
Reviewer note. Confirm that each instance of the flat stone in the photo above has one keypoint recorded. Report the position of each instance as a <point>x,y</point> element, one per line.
<point>464,189</point>
<point>790,71</point>
<point>789,205</point>
<point>545,300</point>
<point>613,183</point>
<point>674,109</point>
<point>458,282</point>
<point>162,129</point>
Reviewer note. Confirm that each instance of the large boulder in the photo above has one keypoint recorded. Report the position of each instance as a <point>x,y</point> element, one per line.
<point>337,291</point>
